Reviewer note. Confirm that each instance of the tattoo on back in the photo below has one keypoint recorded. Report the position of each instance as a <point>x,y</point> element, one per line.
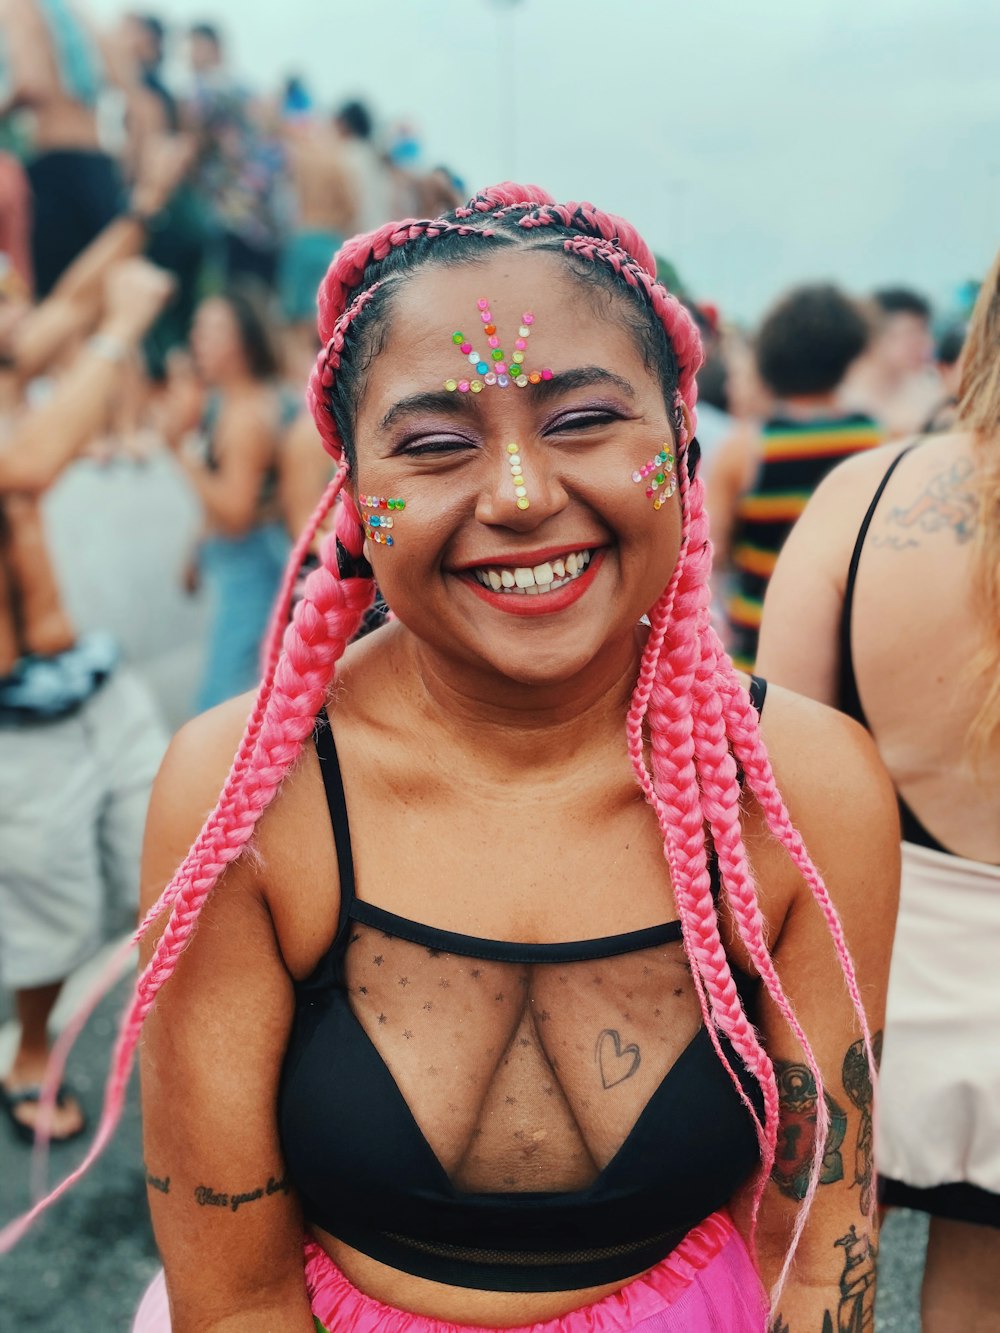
<point>858,1086</point>
<point>947,501</point>
<point>798,1100</point>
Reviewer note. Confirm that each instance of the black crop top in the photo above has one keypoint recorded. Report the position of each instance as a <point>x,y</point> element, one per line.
<point>509,1117</point>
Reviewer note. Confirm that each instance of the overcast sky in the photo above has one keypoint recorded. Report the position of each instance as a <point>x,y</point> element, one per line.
<point>756,144</point>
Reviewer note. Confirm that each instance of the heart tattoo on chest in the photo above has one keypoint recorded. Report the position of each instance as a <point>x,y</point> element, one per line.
<point>616,1062</point>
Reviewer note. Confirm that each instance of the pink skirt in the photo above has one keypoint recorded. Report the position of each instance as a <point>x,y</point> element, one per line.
<point>707,1285</point>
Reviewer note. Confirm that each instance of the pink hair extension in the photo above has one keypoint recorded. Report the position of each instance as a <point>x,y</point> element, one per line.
<point>112,972</point>
<point>744,735</point>
<point>671,708</point>
<point>720,804</point>
<point>324,622</point>
<point>234,780</point>
<point>659,621</point>
<point>283,604</point>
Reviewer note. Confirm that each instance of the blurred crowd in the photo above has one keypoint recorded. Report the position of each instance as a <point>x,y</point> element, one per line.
<point>160,251</point>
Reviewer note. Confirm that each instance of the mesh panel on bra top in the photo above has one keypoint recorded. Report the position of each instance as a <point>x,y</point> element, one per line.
<point>521,1076</point>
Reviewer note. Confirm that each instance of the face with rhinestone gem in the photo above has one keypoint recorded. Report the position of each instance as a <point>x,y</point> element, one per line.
<point>537,593</point>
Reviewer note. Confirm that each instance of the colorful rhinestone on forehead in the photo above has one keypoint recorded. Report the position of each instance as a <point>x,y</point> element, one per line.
<point>660,476</point>
<point>517,476</point>
<point>495,368</point>
<point>379,522</point>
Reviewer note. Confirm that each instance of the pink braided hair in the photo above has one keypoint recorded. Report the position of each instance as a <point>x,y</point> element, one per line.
<point>686,687</point>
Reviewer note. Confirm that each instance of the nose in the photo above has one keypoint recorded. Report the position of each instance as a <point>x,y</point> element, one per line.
<point>521,489</point>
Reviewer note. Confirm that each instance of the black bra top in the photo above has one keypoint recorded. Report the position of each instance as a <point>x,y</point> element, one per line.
<point>849,697</point>
<point>506,1116</point>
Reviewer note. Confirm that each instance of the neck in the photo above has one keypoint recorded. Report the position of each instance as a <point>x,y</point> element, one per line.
<point>804,406</point>
<point>534,729</point>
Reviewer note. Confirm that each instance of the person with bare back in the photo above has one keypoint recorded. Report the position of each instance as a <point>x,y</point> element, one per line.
<point>886,603</point>
<point>325,206</point>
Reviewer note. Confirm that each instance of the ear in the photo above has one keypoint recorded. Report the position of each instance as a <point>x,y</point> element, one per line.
<point>684,413</point>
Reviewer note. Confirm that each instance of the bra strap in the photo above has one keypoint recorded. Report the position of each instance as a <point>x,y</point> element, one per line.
<point>849,700</point>
<point>333,783</point>
<point>758,693</point>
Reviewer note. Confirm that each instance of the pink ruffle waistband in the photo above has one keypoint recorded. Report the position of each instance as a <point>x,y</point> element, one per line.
<point>340,1306</point>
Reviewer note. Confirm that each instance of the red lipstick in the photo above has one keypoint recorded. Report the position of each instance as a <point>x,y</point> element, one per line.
<point>540,604</point>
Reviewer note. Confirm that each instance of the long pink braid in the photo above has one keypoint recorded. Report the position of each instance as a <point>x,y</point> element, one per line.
<point>694,922</point>
<point>113,969</point>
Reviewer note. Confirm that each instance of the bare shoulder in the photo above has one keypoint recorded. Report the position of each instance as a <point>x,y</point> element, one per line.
<point>825,762</point>
<point>187,788</point>
<point>301,438</point>
<point>256,412</point>
<point>839,795</point>
<point>848,489</point>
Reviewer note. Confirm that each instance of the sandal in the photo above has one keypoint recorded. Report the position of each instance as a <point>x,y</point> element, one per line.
<point>12,1098</point>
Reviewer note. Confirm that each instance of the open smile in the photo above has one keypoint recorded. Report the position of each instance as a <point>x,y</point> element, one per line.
<point>539,589</point>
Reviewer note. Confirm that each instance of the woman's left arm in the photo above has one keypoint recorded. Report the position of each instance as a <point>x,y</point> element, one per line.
<point>842,803</point>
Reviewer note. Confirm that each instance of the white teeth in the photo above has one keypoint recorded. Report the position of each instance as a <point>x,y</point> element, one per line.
<point>541,579</point>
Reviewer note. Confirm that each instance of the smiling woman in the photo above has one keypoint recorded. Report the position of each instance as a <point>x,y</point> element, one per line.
<point>526,1044</point>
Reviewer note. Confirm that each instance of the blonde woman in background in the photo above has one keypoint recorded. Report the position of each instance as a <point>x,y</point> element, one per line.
<point>886,602</point>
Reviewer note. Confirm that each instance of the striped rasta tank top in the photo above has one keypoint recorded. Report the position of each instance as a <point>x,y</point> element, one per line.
<point>795,456</point>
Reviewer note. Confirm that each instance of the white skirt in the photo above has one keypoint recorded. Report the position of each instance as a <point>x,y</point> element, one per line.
<point>938,1119</point>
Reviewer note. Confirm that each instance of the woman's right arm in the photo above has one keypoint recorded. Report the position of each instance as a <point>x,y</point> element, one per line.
<point>227,1224</point>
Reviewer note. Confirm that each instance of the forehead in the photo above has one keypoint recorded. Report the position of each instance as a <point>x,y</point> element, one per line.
<point>573,323</point>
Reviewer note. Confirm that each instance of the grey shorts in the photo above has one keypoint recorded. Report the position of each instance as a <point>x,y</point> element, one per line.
<point>73,798</point>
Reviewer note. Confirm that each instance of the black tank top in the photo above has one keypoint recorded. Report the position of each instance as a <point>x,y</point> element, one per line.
<point>506,1116</point>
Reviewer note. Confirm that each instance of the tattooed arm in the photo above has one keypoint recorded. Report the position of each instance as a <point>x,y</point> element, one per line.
<point>227,1225</point>
<point>843,804</point>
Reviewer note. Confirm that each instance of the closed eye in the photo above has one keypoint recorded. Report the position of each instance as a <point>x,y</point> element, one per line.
<point>435,444</point>
<point>582,419</point>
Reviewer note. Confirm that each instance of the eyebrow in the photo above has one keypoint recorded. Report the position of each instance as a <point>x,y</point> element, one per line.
<point>457,404</point>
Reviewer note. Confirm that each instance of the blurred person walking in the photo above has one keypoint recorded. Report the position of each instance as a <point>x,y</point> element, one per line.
<point>759,483</point>
<point>55,70</point>
<point>326,205</point>
<point>224,418</point>
<point>948,364</point>
<point>179,237</point>
<point>894,381</point>
<point>370,178</point>
<point>240,166</point>
<point>886,604</point>
<point>79,736</point>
